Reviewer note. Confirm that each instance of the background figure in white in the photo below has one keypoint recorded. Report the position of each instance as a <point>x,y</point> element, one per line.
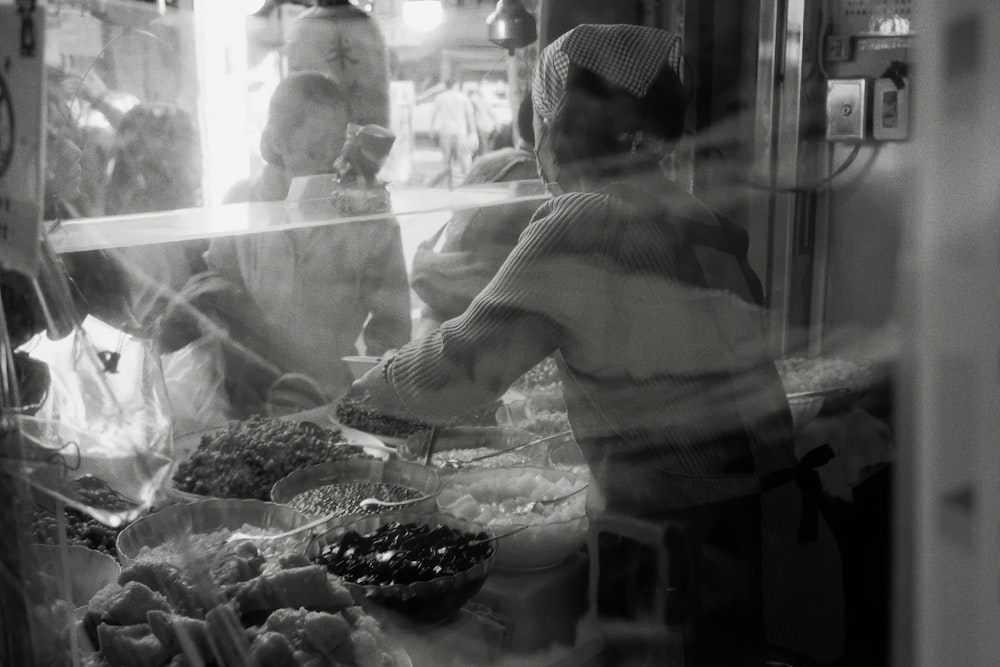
<point>486,122</point>
<point>454,125</point>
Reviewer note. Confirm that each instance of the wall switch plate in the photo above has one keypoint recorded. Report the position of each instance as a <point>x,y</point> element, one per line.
<point>846,109</point>
<point>891,110</point>
<point>837,49</point>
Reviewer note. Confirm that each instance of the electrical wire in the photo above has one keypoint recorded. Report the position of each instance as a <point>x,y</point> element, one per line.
<point>811,187</point>
<point>824,24</point>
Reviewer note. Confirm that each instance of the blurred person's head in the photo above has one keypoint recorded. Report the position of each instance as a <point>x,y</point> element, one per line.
<point>157,162</point>
<point>306,125</point>
<point>63,171</point>
<point>608,101</point>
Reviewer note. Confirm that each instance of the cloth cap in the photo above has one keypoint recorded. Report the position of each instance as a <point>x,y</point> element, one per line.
<point>628,56</point>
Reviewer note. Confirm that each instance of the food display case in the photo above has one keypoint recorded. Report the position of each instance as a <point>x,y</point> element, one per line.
<point>198,482</point>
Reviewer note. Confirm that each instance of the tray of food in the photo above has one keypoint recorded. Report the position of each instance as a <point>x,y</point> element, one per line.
<point>337,488</point>
<point>507,499</point>
<point>355,411</point>
<point>246,609</point>
<point>839,383</point>
<point>245,459</point>
<point>423,565</point>
<point>466,444</point>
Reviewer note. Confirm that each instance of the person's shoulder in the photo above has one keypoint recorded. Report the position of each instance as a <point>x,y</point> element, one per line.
<point>241,191</point>
<point>574,205</point>
<point>566,217</point>
<point>498,165</point>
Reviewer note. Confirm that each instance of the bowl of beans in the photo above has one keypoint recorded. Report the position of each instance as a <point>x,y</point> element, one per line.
<point>425,566</point>
<point>337,488</point>
<point>465,443</point>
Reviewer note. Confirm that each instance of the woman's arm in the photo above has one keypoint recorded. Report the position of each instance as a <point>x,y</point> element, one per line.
<point>520,318</point>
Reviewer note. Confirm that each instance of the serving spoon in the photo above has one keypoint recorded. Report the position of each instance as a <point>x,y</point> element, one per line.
<point>366,503</point>
<point>533,506</point>
<point>455,463</point>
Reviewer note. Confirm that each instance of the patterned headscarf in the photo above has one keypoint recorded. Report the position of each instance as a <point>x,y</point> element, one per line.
<point>628,56</point>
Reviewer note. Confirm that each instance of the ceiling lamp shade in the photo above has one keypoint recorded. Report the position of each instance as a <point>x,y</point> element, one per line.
<point>511,26</point>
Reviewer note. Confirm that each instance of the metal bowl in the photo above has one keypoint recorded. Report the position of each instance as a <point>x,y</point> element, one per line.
<point>428,601</point>
<point>448,440</point>
<point>547,540</point>
<point>804,410</point>
<point>392,471</point>
<point>179,522</point>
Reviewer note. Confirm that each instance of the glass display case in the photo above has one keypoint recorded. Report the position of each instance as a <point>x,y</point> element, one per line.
<point>649,333</point>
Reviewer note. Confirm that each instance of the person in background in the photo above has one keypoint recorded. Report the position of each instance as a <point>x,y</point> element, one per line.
<point>646,300</point>
<point>457,262</point>
<point>156,167</point>
<point>486,122</point>
<point>296,301</point>
<point>98,284</point>
<point>345,43</point>
<point>454,124</point>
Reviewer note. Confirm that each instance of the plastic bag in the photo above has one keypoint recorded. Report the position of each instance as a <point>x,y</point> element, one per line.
<point>195,379</point>
<point>101,440</point>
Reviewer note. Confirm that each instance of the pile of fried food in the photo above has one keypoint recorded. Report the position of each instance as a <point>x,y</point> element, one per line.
<point>235,608</point>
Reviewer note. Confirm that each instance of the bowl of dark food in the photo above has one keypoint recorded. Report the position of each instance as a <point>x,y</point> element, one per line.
<point>337,489</point>
<point>245,459</point>
<point>465,444</point>
<point>424,566</point>
<point>181,533</point>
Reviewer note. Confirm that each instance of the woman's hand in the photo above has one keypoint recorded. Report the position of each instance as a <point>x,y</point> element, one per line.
<point>375,391</point>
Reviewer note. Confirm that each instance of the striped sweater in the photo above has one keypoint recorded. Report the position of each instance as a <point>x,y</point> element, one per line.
<point>671,391</point>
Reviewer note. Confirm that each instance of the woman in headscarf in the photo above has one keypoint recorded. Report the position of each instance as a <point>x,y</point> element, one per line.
<point>648,302</point>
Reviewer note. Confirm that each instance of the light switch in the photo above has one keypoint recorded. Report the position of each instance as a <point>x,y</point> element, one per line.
<point>846,109</point>
<point>891,110</point>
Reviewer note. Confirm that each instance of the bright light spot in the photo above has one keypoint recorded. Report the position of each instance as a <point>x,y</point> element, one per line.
<point>368,7</point>
<point>422,15</point>
<point>253,6</point>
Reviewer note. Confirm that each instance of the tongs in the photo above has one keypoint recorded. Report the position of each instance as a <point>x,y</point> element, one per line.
<point>455,464</point>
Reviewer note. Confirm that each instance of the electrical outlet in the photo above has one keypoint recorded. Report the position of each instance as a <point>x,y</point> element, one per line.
<point>836,49</point>
<point>846,109</point>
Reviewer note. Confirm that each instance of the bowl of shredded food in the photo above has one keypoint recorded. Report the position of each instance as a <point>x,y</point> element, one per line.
<point>840,383</point>
<point>506,500</point>
<point>180,533</point>
<point>245,459</point>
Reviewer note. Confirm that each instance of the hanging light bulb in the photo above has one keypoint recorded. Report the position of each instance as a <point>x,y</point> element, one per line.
<point>422,15</point>
<point>511,26</point>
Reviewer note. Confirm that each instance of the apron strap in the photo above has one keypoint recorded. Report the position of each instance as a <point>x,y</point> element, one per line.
<point>804,474</point>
